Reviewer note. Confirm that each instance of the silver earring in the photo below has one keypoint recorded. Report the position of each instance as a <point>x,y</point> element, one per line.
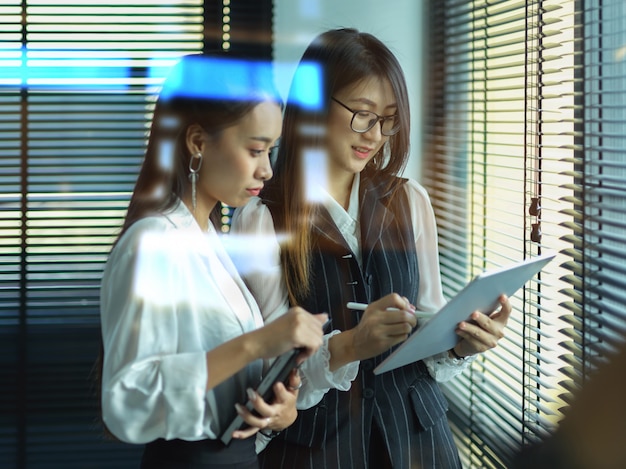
<point>193,176</point>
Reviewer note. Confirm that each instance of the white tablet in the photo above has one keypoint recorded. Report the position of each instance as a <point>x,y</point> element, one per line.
<point>481,294</point>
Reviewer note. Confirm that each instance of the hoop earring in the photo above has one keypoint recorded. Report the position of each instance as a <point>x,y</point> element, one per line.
<point>193,176</point>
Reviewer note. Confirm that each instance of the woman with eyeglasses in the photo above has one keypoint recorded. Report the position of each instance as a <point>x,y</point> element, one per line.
<point>354,231</point>
<point>184,342</point>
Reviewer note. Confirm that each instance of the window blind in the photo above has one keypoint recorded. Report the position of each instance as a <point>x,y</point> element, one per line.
<point>597,316</point>
<point>523,107</point>
<point>77,86</point>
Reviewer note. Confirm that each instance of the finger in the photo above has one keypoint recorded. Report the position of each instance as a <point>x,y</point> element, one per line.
<point>251,430</point>
<point>294,383</point>
<point>396,317</point>
<point>308,345</point>
<point>493,326</point>
<point>468,345</point>
<point>296,387</point>
<point>258,420</point>
<point>248,416</point>
<point>412,320</point>
<point>480,339</point>
<point>397,329</point>
<point>313,322</point>
<point>403,318</point>
<point>503,314</point>
<point>309,339</point>
<point>393,300</point>
<point>322,318</point>
<point>284,395</point>
<point>259,404</point>
<point>245,433</point>
<point>482,321</point>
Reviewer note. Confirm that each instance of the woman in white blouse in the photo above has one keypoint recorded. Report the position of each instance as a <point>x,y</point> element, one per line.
<point>184,342</point>
<point>352,230</point>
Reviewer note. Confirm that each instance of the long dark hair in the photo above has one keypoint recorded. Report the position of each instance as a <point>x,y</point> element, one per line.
<point>210,91</point>
<point>342,57</point>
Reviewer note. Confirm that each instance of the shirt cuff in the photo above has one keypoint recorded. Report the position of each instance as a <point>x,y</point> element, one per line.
<point>317,378</point>
<point>442,367</point>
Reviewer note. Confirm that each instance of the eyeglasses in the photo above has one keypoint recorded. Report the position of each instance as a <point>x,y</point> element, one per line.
<point>362,121</point>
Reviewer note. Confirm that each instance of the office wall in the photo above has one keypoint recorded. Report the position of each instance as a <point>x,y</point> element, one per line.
<point>398,23</point>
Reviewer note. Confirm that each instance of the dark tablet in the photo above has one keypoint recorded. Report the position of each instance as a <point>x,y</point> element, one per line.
<point>278,371</point>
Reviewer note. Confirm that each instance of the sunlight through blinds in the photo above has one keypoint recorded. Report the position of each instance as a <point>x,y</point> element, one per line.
<point>528,104</point>
<point>497,167</point>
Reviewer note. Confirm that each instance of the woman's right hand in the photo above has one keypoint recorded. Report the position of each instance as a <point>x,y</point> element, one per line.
<point>379,329</point>
<point>295,329</point>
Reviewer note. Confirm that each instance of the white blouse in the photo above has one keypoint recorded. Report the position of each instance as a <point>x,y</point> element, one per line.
<point>257,258</point>
<point>169,294</point>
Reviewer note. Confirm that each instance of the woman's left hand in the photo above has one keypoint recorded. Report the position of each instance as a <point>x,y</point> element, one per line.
<point>272,417</point>
<point>482,332</point>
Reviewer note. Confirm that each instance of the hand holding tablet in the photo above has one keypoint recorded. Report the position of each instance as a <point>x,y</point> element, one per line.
<point>278,372</point>
<point>481,294</point>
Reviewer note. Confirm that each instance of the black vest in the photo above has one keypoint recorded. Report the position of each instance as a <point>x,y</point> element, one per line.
<point>406,404</point>
<point>390,264</point>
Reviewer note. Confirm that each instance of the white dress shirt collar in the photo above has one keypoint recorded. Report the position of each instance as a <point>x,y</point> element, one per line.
<point>347,220</point>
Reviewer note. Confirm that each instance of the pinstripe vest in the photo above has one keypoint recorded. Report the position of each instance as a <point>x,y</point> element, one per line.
<point>406,403</point>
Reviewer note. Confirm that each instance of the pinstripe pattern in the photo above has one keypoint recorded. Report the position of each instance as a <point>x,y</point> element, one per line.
<point>406,404</point>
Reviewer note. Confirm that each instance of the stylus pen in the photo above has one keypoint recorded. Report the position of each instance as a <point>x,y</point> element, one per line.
<point>362,306</point>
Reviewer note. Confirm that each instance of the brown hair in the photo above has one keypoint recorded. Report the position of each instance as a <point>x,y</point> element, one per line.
<point>342,57</point>
<point>212,92</point>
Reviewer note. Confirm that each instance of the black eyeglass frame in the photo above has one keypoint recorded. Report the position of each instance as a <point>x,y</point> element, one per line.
<point>378,119</point>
